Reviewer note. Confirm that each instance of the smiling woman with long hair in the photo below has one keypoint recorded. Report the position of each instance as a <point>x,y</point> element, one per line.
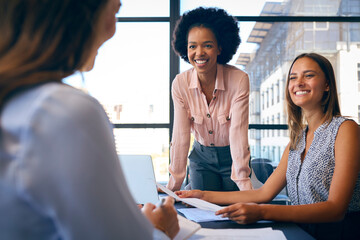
<point>320,166</point>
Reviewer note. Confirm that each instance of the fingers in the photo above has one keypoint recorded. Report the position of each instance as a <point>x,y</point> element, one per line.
<point>189,193</point>
<point>169,201</point>
<point>148,208</point>
<point>169,223</point>
<point>159,190</point>
<point>181,194</point>
<point>241,213</point>
<point>229,209</point>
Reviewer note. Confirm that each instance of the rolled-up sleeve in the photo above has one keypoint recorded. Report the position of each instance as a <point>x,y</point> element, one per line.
<point>239,144</point>
<point>180,142</point>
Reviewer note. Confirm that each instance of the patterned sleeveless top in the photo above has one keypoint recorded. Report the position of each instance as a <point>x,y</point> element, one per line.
<point>309,182</point>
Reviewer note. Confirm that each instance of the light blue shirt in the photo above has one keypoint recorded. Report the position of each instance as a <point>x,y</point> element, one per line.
<point>60,177</point>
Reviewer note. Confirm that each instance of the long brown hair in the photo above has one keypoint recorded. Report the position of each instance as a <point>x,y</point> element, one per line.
<point>330,103</point>
<point>44,40</point>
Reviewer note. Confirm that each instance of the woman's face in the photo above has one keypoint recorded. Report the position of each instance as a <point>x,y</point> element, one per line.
<point>105,29</point>
<point>307,83</point>
<point>202,49</point>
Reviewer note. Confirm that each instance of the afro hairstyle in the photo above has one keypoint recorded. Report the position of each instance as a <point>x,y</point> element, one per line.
<point>224,27</point>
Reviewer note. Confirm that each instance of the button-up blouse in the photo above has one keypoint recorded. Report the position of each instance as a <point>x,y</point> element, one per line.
<point>221,123</point>
<point>309,181</point>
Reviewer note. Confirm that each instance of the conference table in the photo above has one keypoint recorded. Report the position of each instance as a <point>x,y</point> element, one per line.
<point>291,230</point>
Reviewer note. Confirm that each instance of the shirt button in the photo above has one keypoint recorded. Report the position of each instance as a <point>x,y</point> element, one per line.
<point>211,144</point>
<point>210,132</point>
<point>228,118</point>
<point>215,90</point>
<point>208,115</point>
<point>192,118</point>
<point>214,98</point>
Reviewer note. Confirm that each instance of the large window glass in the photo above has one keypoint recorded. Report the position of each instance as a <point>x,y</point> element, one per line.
<point>147,141</point>
<point>235,8</point>
<point>292,7</point>
<point>131,74</point>
<point>131,77</point>
<point>144,8</point>
<point>268,48</point>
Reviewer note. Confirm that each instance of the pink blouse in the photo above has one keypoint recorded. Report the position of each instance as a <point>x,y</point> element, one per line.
<point>221,123</point>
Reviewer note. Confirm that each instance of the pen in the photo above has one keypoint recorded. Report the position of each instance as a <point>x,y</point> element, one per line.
<point>160,203</point>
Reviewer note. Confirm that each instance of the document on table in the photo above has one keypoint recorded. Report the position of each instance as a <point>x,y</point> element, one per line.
<point>200,215</point>
<point>233,234</point>
<point>196,202</point>
<point>187,228</point>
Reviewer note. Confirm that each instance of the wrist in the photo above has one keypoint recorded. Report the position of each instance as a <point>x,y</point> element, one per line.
<point>263,211</point>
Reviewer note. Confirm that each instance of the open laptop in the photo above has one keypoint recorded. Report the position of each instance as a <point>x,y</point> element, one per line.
<point>140,177</point>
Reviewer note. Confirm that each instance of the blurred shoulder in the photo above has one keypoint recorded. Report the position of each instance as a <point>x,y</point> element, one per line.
<point>232,70</point>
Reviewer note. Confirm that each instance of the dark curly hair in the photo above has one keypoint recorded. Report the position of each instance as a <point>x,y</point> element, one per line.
<point>224,27</point>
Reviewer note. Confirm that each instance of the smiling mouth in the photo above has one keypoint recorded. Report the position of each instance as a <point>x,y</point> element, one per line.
<point>200,61</point>
<point>299,93</point>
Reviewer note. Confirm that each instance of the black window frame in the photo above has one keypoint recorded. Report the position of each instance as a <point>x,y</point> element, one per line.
<point>174,65</point>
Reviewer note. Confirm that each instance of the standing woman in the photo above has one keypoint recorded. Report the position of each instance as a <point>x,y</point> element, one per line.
<point>211,100</point>
<point>60,176</point>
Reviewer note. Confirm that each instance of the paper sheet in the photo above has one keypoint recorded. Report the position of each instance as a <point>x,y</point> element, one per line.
<point>187,228</point>
<point>232,234</point>
<point>200,215</point>
<point>192,201</point>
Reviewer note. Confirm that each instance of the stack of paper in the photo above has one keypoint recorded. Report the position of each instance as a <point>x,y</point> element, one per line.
<point>232,234</point>
<point>187,228</point>
<point>205,211</point>
<point>200,215</point>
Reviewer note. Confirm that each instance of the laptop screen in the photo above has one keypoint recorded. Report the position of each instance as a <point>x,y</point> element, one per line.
<point>140,177</point>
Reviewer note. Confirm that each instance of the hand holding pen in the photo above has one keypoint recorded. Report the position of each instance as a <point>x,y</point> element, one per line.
<point>163,216</point>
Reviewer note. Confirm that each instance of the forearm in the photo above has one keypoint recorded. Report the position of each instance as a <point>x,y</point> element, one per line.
<point>227,198</point>
<point>310,213</point>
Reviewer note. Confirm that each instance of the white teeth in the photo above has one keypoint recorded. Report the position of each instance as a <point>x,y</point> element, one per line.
<point>301,92</point>
<point>200,61</point>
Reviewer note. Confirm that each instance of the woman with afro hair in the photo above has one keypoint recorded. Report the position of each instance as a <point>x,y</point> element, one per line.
<point>211,100</point>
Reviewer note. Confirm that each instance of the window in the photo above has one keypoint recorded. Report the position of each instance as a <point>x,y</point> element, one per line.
<point>358,70</point>
<point>278,91</point>
<point>134,70</point>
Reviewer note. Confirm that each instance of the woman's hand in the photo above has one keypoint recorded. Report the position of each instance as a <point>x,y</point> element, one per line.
<point>191,194</point>
<point>159,190</point>
<point>242,213</point>
<point>164,217</point>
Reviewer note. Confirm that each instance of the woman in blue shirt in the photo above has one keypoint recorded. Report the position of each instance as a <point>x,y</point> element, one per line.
<point>60,177</point>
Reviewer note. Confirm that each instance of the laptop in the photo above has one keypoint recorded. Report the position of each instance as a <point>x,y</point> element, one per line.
<point>140,177</point>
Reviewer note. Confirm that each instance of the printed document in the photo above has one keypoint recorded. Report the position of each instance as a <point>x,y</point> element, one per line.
<point>195,202</point>
<point>233,234</point>
<point>187,228</point>
<point>200,215</point>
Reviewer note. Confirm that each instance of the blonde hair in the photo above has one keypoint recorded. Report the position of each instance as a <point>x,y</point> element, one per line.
<point>44,40</point>
<point>330,103</point>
